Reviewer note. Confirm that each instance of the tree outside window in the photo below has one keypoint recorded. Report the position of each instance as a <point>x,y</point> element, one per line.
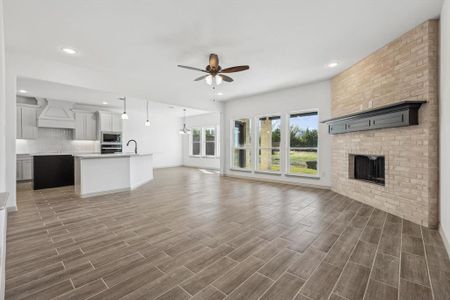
<point>303,143</point>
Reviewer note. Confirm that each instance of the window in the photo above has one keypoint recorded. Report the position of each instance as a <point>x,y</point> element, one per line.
<point>269,144</point>
<point>241,154</point>
<point>210,141</point>
<point>303,143</point>
<point>196,142</point>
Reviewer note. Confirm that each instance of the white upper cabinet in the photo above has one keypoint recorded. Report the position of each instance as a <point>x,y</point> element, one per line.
<point>26,122</point>
<point>110,122</point>
<point>116,123</point>
<point>85,126</point>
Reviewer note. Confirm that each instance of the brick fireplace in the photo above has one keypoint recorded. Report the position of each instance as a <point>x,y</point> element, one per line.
<point>405,69</point>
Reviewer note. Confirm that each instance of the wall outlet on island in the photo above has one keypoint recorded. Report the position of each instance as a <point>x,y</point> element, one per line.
<point>360,107</point>
<point>370,104</point>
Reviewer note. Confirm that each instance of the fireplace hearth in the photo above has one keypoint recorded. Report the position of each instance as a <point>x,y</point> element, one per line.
<point>369,168</point>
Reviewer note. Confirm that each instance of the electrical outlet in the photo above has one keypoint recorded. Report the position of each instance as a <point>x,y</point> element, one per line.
<point>370,104</point>
<point>360,107</point>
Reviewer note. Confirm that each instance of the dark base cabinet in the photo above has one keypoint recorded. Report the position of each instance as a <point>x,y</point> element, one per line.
<point>52,171</point>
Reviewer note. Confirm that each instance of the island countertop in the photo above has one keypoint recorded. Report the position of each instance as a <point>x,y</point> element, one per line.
<point>110,155</point>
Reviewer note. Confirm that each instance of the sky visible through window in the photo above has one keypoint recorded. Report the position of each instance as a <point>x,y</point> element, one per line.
<point>304,122</point>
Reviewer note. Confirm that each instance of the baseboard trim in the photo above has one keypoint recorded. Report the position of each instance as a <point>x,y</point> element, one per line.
<point>268,180</point>
<point>104,193</point>
<point>445,240</point>
<point>11,209</point>
<point>196,167</point>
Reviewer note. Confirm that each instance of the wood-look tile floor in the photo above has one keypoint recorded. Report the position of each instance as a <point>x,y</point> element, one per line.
<point>191,234</point>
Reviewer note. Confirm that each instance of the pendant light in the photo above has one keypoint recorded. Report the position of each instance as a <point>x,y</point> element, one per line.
<point>124,116</point>
<point>184,130</point>
<point>147,123</point>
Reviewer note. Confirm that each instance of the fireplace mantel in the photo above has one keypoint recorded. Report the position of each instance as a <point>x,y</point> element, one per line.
<point>399,114</point>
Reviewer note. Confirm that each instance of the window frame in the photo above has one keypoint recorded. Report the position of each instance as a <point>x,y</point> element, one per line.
<point>288,143</point>
<point>248,148</point>
<point>205,141</point>
<point>258,147</point>
<point>191,143</point>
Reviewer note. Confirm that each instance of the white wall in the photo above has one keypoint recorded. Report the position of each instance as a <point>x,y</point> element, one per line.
<point>161,138</point>
<point>2,104</point>
<point>301,98</point>
<point>201,121</point>
<point>3,154</point>
<point>445,123</point>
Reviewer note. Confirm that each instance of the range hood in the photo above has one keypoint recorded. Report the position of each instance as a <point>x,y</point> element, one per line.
<point>57,114</point>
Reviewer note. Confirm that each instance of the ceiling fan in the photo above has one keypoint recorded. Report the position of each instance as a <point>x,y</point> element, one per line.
<point>215,71</point>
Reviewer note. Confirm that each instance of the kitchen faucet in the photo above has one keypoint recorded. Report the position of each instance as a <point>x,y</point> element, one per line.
<point>135,145</point>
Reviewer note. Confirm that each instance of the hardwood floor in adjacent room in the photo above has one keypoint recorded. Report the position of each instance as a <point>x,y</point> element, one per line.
<point>191,234</point>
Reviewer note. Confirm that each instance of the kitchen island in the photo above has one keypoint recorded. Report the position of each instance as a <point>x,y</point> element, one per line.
<point>52,170</point>
<point>99,174</point>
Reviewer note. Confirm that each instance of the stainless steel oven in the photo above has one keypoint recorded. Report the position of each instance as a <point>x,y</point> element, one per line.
<point>111,138</point>
<point>110,148</point>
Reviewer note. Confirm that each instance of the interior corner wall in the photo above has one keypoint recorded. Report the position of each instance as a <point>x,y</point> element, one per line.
<point>444,193</point>
<point>201,121</point>
<point>2,105</point>
<point>314,96</point>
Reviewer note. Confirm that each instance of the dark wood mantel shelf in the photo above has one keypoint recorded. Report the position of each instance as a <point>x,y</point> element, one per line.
<point>399,114</point>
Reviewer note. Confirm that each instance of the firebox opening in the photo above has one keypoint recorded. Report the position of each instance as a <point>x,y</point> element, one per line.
<point>367,168</point>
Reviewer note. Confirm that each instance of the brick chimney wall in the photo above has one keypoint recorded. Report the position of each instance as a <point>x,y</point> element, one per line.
<point>404,69</point>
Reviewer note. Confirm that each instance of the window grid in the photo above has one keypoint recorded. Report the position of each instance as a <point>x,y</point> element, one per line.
<point>269,136</point>
<point>242,142</point>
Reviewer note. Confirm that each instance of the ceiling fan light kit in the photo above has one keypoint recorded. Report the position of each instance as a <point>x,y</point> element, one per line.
<point>215,71</point>
<point>209,79</point>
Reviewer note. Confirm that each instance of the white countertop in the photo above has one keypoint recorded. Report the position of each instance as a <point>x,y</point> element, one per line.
<point>50,153</point>
<point>98,155</point>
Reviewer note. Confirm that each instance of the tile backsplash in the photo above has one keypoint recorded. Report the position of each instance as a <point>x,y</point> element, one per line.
<point>56,140</point>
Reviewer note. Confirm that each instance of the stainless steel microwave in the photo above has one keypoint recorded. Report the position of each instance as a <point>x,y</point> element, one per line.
<point>111,137</point>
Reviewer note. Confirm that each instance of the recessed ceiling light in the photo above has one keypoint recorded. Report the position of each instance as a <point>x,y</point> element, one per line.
<point>70,51</point>
<point>219,94</point>
<point>333,64</point>
<point>105,103</point>
<point>23,91</point>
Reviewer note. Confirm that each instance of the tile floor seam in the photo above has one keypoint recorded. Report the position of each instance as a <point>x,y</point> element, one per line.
<point>426,262</point>
<point>375,257</point>
<point>351,253</point>
<point>400,263</point>
<point>329,250</point>
<point>178,285</point>
<point>256,272</point>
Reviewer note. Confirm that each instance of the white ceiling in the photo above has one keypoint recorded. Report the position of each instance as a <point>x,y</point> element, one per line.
<point>286,43</point>
<point>51,90</point>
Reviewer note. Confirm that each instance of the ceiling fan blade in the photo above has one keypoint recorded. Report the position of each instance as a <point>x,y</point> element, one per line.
<point>192,68</point>
<point>235,69</point>
<point>226,78</point>
<point>201,77</point>
<point>213,61</point>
